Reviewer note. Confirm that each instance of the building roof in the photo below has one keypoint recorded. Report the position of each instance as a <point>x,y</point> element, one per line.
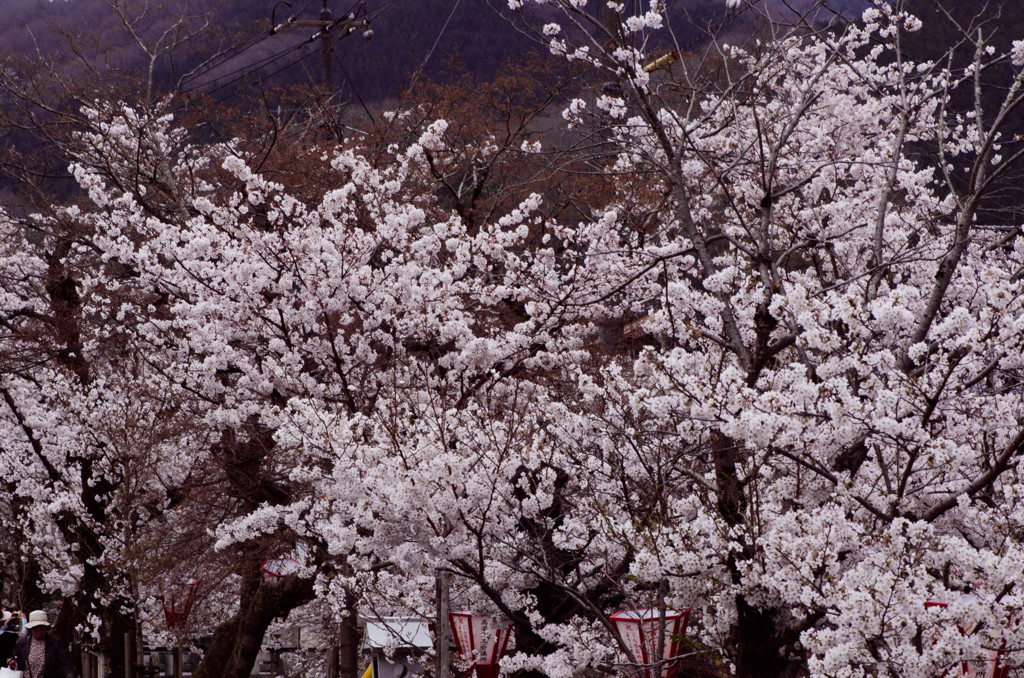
<point>400,632</point>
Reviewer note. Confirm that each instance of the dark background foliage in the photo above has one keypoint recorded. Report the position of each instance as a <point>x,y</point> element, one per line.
<point>407,35</point>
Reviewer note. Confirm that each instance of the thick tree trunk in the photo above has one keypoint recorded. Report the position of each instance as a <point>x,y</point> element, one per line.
<point>236,643</point>
<point>756,646</point>
<point>758,654</point>
<point>348,640</point>
<point>217,657</point>
<point>116,635</point>
<point>114,624</point>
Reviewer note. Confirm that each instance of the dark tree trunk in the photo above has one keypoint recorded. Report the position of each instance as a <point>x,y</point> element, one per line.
<point>116,636</point>
<point>217,657</point>
<point>756,645</point>
<point>442,637</point>
<point>348,640</point>
<point>236,642</point>
<point>30,597</point>
<point>116,620</point>
<point>758,654</point>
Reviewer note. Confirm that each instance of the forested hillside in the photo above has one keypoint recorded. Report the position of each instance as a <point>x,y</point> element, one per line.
<point>407,35</point>
<point>56,56</point>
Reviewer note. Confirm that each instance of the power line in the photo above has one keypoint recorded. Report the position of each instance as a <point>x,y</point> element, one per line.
<point>237,50</point>
<point>275,27</point>
<point>249,68</point>
<point>355,89</point>
<point>230,54</point>
<point>270,75</point>
<point>324,26</point>
<point>430,53</point>
<point>248,72</point>
<point>290,19</point>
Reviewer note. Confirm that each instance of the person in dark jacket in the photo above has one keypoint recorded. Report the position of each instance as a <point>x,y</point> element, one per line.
<point>10,630</point>
<point>39,654</point>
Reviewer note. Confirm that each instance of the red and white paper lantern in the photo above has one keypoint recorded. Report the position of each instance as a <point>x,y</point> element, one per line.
<point>992,666</point>
<point>480,641</point>
<point>639,630</point>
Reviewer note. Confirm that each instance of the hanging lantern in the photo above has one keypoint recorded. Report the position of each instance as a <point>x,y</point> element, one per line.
<point>993,668</point>
<point>639,630</point>
<point>479,641</point>
<point>275,569</point>
<point>175,611</point>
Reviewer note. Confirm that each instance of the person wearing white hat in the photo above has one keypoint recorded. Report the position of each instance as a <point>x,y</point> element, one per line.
<point>39,654</point>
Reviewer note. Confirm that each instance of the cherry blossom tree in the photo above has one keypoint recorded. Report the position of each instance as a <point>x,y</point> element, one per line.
<point>830,322</point>
<point>91,449</point>
<point>745,344</point>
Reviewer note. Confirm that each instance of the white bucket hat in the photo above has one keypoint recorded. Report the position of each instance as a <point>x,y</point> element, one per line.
<point>37,618</point>
<point>5,617</point>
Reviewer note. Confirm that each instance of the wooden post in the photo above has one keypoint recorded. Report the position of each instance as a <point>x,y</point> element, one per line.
<point>325,48</point>
<point>332,663</point>
<point>612,23</point>
<point>442,640</point>
<point>177,660</point>
<point>129,654</point>
<point>348,639</point>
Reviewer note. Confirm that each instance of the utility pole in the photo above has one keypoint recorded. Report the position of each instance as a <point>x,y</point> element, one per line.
<point>326,46</point>
<point>442,588</point>
<point>612,23</point>
<point>325,25</point>
<point>328,31</point>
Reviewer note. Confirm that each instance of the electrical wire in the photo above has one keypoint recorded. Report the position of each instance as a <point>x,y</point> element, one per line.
<point>355,89</point>
<point>227,56</point>
<point>354,10</point>
<point>249,72</point>
<point>268,76</point>
<point>265,61</point>
<point>240,49</point>
<point>430,53</point>
<point>295,15</point>
<point>249,68</point>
